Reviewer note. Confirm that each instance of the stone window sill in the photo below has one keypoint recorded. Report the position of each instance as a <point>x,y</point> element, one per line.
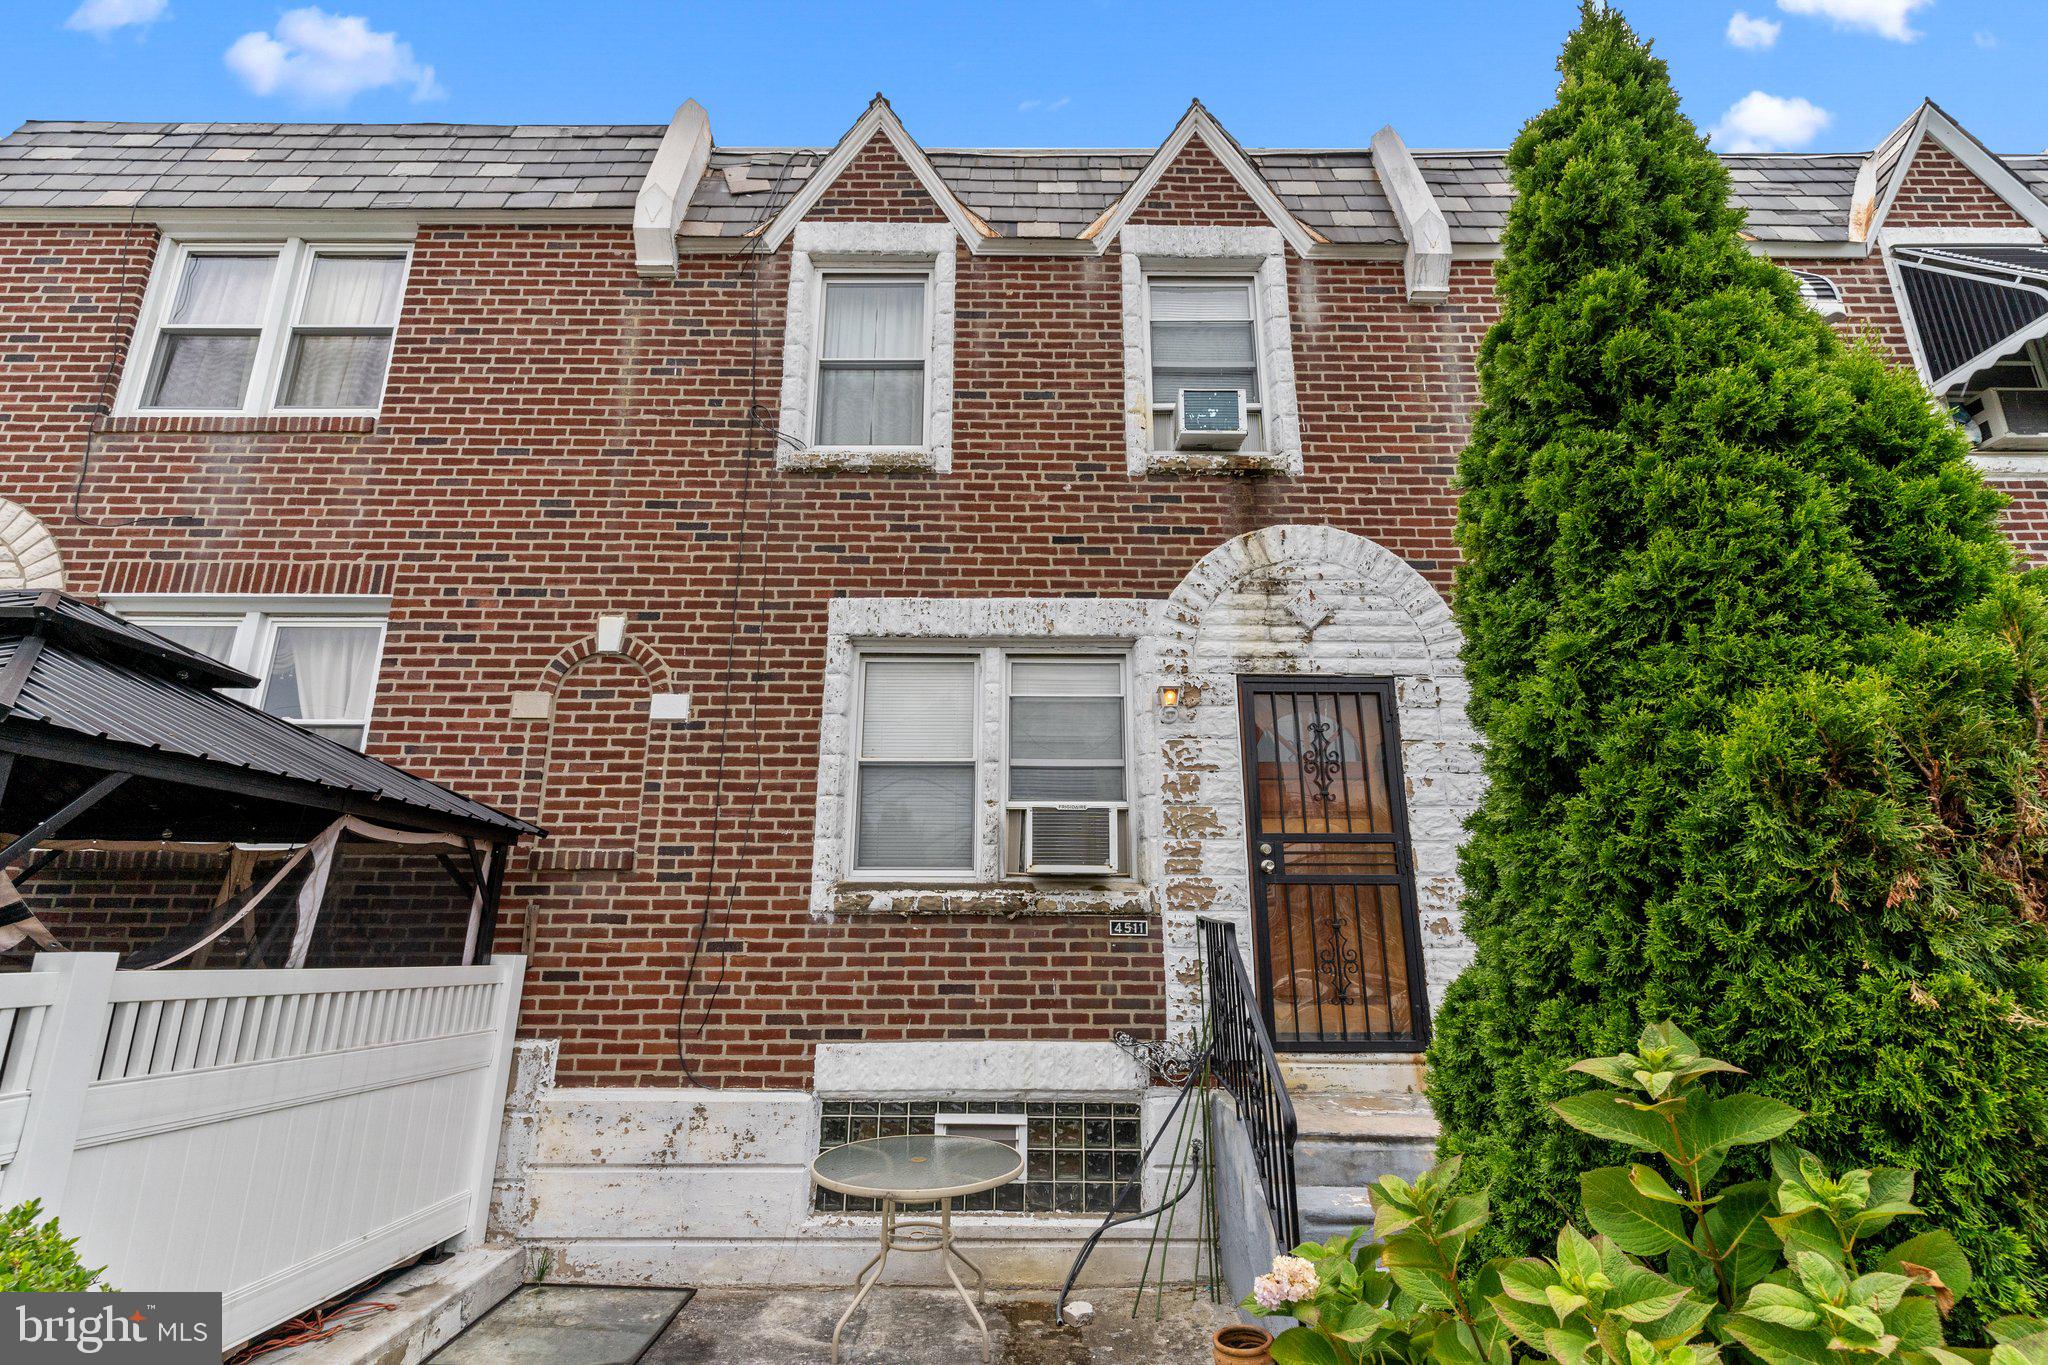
<point>1182,463</point>
<point>231,426</point>
<point>858,460</point>
<point>1011,900</point>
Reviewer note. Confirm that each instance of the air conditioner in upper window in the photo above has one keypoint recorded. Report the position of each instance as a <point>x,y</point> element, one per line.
<point>1072,838</point>
<point>1209,419</point>
<point>2014,419</point>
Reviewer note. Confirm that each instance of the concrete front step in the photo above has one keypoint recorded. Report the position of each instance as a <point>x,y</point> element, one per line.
<point>1329,1210</point>
<point>1395,1078</point>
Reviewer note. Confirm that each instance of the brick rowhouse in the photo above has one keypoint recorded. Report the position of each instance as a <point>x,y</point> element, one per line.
<point>564,438</point>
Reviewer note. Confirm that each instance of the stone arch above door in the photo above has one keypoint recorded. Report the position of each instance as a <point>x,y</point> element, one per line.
<point>28,552</point>
<point>1310,600</point>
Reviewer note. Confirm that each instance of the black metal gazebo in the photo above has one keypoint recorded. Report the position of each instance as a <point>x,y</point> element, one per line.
<point>113,737</point>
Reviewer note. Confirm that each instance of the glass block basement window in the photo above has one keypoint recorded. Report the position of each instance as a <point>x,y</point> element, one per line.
<point>1076,1155</point>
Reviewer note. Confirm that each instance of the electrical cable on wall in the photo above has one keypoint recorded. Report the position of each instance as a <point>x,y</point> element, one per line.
<point>751,264</point>
<point>116,353</point>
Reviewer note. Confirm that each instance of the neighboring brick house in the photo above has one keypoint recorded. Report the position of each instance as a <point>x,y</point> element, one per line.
<point>810,539</point>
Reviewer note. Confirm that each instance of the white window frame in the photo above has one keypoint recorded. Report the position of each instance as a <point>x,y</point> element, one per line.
<point>1119,824</point>
<point>822,251</point>
<point>1257,254</point>
<point>1167,403</point>
<point>257,621</point>
<point>991,754</point>
<point>860,762</point>
<point>281,304</point>
<point>827,278</point>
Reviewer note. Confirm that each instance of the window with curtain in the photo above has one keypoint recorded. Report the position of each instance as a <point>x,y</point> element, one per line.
<point>1203,335</point>
<point>1064,741</point>
<point>915,805</point>
<point>285,326</point>
<point>341,339</point>
<point>871,361</point>
<point>318,672</point>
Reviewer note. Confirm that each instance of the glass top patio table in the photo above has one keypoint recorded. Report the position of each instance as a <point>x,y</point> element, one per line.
<point>917,1168</point>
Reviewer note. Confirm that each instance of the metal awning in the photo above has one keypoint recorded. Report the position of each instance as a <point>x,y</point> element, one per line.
<point>1970,306</point>
<point>97,710</point>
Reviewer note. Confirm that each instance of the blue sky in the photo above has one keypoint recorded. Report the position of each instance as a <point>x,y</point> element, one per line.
<point>1797,74</point>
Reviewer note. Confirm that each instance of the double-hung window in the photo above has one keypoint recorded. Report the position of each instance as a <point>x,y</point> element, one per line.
<point>316,669</point>
<point>927,745</point>
<point>284,327</point>
<point>1203,334</point>
<point>871,361</point>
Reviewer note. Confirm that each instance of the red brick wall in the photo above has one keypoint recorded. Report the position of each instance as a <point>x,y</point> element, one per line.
<point>1940,191</point>
<point>562,438</point>
<point>1197,190</point>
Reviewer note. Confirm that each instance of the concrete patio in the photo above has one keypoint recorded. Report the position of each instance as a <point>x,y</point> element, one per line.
<point>572,1325</point>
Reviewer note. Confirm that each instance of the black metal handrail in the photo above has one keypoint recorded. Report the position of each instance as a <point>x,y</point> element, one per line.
<point>1241,1053</point>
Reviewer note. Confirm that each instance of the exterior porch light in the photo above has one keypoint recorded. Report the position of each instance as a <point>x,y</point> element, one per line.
<point>1170,703</point>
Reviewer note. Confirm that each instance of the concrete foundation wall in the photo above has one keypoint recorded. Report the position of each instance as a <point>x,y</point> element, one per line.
<point>703,1186</point>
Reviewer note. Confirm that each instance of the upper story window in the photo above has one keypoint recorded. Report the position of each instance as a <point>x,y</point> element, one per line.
<point>1055,742</point>
<point>871,361</point>
<point>1207,309</point>
<point>316,662</point>
<point>867,349</point>
<point>1203,334</point>
<point>296,327</point>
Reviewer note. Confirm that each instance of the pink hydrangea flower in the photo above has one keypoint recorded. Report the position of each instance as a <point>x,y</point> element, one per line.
<point>1291,1280</point>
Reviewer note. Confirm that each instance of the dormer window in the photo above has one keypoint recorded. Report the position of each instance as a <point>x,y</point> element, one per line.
<point>871,361</point>
<point>1204,335</point>
<point>292,327</point>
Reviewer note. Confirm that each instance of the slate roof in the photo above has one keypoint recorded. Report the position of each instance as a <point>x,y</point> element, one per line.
<point>462,168</point>
<point>324,166</point>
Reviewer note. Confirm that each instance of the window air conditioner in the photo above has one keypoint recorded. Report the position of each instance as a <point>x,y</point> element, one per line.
<point>1071,838</point>
<point>2014,419</point>
<point>1209,419</point>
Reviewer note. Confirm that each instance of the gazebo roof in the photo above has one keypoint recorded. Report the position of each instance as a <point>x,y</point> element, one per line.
<point>85,694</point>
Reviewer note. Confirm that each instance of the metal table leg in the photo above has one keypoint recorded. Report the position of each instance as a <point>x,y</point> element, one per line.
<point>880,1262</point>
<point>920,1236</point>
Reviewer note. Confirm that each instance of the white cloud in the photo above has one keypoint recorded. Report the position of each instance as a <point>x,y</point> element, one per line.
<point>320,58</point>
<point>1984,40</point>
<point>1886,18</point>
<point>102,17</point>
<point>1747,31</point>
<point>1044,106</point>
<point>1769,123</point>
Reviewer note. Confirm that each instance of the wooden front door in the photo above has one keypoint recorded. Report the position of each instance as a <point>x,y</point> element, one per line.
<point>1332,879</point>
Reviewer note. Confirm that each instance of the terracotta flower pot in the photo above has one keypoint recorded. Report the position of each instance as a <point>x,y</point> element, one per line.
<point>1240,1345</point>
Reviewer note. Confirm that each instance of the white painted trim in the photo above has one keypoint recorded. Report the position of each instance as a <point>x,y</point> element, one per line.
<point>878,118</point>
<point>1198,122</point>
<point>1261,251</point>
<point>1933,122</point>
<point>825,247</point>
<point>1428,260</point>
<point>1998,465</point>
<point>1957,236</point>
<point>28,551</point>
<point>1005,1070</point>
<point>665,191</point>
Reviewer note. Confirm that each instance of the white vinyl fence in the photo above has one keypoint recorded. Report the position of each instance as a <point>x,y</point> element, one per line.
<point>275,1135</point>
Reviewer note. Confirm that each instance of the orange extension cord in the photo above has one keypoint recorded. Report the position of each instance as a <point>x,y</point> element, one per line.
<point>318,1325</point>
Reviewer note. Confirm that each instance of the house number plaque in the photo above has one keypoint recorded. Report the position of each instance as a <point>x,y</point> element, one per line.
<point>1130,928</point>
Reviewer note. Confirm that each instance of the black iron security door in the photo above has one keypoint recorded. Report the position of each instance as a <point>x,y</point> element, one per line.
<point>1332,879</point>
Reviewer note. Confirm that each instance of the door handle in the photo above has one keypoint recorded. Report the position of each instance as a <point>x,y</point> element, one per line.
<point>1266,866</point>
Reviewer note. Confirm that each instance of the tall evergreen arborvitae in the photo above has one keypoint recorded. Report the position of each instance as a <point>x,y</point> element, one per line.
<point>1694,525</point>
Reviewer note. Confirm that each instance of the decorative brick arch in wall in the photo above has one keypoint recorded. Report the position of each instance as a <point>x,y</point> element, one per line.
<point>28,552</point>
<point>1309,600</point>
<point>600,756</point>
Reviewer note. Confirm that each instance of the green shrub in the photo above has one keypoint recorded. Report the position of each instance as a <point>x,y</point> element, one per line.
<point>1705,543</point>
<point>1770,1270</point>
<point>36,1258</point>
